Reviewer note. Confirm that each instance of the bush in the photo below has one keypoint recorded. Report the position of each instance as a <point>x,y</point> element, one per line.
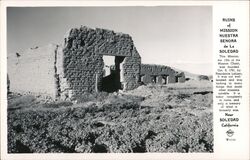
<point>113,123</point>
<point>86,97</point>
<point>21,101</point>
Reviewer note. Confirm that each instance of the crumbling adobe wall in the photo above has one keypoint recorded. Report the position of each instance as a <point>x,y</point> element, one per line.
<point>150,73</point>
<point>181,77</point>
<point>131,69</point>
<point>32,71</point>
<point>82,64</point>
<point>76,66</point>
<point>77,63</point>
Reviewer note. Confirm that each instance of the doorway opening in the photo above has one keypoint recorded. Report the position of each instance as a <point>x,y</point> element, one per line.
<point>111,80</point>
<point>141,78</point>
<point>176,79</point>
<point>165,79</point>
<point>153,79</point>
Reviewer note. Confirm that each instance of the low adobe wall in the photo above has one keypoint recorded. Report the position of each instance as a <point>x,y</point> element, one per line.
<point>32,71</point>
<point>159,74</point>
<point>181,77</point>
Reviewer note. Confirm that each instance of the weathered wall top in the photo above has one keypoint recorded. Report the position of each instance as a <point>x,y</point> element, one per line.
<point>180,74</point>
<point>156,69</point>
<point>105,42</point>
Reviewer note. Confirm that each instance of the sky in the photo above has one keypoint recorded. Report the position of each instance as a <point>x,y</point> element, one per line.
<point>177,36</point>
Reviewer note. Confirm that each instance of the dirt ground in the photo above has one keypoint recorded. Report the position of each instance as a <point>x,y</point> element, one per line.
<point>152,118</point>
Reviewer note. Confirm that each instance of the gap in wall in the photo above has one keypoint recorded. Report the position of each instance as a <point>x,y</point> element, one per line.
<point>111,80</point>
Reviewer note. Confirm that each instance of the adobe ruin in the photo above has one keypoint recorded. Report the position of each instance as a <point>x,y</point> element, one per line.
<point>160,74</point>
<point>77,66</point>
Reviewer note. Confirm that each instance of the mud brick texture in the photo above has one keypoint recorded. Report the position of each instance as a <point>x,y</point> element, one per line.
<point>159,74</point>
<point>76,66</point>
<point>83,64</point>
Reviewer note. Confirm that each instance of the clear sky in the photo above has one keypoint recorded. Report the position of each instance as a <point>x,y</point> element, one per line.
<point>178,36</point>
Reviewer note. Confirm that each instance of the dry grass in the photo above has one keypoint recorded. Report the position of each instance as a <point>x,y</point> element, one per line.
<point>172,118</point>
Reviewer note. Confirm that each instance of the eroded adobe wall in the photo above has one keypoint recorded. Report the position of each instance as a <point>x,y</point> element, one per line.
<point>181,77</point>
<point>32,71</point>
<point>131,69</point>
<point>159,71</point>
<point>81,59</point>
